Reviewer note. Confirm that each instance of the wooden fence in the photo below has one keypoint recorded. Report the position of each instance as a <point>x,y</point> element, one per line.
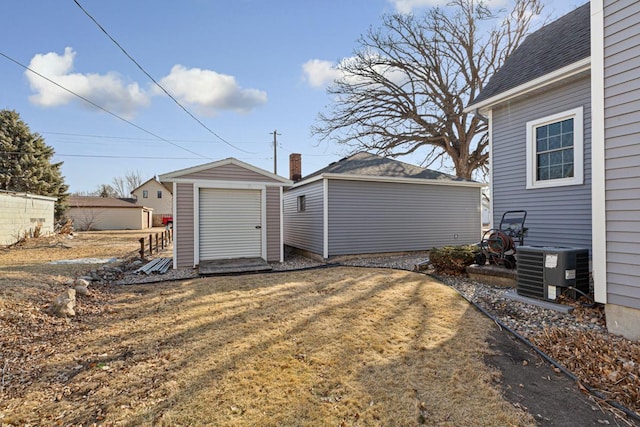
<point>161,241</point>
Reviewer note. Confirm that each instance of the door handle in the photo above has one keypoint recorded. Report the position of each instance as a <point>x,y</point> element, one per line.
<point>258,227</point>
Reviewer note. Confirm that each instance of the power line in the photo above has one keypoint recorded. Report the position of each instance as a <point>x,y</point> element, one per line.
<point>128,138</point>
<point>100,156</point>
<point>154,80</point>
<point>100,107</point>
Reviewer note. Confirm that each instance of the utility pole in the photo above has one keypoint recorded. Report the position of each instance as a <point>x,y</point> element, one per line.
<point>275,154</point>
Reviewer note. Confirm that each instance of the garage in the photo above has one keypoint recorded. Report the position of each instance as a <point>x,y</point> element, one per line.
<point>227,209</point>
<point>230,224</point>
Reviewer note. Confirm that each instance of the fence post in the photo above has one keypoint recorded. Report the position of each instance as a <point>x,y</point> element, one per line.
<point>142,247</point>
<point>157,247</point>
<point>162,240</point>
<point>150,244</point>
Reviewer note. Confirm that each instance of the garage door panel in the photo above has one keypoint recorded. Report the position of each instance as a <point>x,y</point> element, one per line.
<point>230,223</point>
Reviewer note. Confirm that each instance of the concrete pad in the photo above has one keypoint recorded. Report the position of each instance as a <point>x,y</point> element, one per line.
<point>233,266</point>
<point>512,294</point>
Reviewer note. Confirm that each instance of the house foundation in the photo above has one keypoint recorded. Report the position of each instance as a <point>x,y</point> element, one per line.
<point>623,321</point>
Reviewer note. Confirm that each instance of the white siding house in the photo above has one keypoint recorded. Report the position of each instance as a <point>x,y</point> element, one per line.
<point>155,195</point>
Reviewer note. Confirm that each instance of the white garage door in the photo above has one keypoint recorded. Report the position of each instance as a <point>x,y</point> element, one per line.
<point>230,223</point>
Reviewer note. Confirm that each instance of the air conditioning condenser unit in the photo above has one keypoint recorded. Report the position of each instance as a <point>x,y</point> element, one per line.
<point>545,272</point>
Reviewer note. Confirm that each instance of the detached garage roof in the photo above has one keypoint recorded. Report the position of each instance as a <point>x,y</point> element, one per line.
<point>102,202</point>
<point>369,166</point>
<point>227,170</point>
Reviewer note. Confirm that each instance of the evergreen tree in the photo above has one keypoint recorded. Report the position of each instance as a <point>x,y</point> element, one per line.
<point>25,162</point>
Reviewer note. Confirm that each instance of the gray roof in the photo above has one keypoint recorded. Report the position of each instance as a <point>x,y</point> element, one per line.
<point>552,47</point>
<point>367,164</point>
<point>102,202</point>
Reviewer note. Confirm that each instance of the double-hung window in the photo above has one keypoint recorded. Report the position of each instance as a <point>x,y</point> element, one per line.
<point>555,150</point>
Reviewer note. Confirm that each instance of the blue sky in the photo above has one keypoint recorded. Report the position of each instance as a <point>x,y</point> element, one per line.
<point>244,68</point>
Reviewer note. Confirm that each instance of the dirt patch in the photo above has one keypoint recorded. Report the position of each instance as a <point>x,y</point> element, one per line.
<point>535,386</point>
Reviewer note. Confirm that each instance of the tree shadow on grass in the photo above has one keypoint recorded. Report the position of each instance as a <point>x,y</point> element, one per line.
<point>325,346</point>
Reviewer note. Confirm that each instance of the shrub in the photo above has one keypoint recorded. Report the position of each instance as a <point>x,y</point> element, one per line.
<point>452,259</point>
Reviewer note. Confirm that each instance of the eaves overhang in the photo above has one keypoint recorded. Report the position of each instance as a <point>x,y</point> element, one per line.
<point>399,180</point>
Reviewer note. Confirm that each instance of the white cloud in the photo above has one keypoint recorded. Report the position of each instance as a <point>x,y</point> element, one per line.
<point>106,90</point>
<point>209,91</point>
<point>319,73</point>
<point>408,6</point>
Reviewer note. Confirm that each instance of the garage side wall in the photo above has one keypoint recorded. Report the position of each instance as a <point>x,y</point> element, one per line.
<point>183,226</point>
<point>20,214</point>
<point>303,230</point>
<point>107,218</point>
<point>377,217</point>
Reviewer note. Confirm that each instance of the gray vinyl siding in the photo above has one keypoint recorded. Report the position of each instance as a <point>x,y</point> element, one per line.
<point>622,151</point>
<point>273,224</point>
<point>229,172</point>
<point>559,216</point>
<point>376,217</point>
<point>183,225</point>
<point>304,230</point>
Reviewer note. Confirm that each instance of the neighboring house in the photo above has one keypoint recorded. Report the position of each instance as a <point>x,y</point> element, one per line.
<point>226,209</point>
<point>107,213</point>
<point>21,214</point>
<point>369,204</point>
<point>155,195</point>
<point>564,130</point>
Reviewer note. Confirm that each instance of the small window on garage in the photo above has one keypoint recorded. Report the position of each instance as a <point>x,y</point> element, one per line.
<point>145,194</point>
<point>302,203</point>
<point>159,194</point>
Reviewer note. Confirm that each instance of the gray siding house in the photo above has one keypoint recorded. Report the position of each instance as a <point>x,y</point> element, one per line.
<point>367,204</point>
<point>226,209</point>
<point>564,130</point>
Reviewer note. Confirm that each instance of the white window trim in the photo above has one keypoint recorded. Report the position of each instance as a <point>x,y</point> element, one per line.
<point>578,150</point>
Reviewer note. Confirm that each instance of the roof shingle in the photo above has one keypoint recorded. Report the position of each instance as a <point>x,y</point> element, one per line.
<point>367,164</point>
<point>554,46</point>
<point>101,202</point>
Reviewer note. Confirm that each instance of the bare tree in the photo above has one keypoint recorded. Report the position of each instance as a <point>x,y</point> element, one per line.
<point>105,190</point>
<point>406,87</point>
<point>124,185</point>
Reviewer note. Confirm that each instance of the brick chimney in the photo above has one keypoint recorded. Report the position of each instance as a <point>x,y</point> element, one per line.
<point>295,167</point>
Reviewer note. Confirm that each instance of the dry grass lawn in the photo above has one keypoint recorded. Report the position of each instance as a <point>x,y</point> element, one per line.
<point>334,346</point>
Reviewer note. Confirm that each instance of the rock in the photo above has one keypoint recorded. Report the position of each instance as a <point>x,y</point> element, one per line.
<point>81,282</point>
<point>81,290</point>
<point>64,304</point>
